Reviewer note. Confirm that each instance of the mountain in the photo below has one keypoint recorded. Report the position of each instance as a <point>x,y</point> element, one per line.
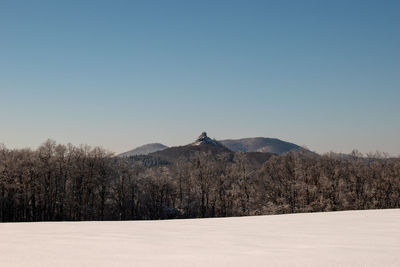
<point>202,144</point>
<point>257,149</point>
<point>260,144</point>
<point>203,139</point>
<point>144,150</point>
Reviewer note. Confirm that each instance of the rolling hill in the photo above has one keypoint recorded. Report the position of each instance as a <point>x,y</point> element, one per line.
<point>144,150</point>
<point>204,143</point>
<point>260,144</point>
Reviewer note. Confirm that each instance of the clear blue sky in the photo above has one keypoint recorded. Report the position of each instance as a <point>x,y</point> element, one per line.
<point>325,74</point>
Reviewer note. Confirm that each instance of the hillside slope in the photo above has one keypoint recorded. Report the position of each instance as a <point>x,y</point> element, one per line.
<point>203,144</point>
<point>350,238</point>
<point>260,144</point>
<point>144,150</point>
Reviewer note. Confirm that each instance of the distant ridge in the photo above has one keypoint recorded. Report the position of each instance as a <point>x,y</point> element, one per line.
<point>144,150</point>
<point>204,143</point>
<point>260,144</point>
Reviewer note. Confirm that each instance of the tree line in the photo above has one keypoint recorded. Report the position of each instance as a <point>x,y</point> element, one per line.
<point>64,182</point>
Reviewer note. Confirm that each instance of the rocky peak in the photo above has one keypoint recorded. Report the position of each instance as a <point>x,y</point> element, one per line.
<point>204,139</point>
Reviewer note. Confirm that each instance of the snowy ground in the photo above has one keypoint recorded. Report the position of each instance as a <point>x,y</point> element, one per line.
<point>352,238</point>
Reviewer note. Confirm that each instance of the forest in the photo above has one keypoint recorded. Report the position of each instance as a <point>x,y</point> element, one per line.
<point>58,182</point>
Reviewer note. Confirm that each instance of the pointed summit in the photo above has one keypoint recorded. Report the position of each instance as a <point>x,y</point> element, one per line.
<point>204,139</point>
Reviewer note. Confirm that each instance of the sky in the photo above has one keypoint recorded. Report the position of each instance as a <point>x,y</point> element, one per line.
<point>119,74</point>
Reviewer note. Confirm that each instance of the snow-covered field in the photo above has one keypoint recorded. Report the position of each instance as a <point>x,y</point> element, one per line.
<point>352,238</point>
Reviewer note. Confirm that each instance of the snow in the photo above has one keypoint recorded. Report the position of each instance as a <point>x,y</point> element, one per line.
<point>351,238</point>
